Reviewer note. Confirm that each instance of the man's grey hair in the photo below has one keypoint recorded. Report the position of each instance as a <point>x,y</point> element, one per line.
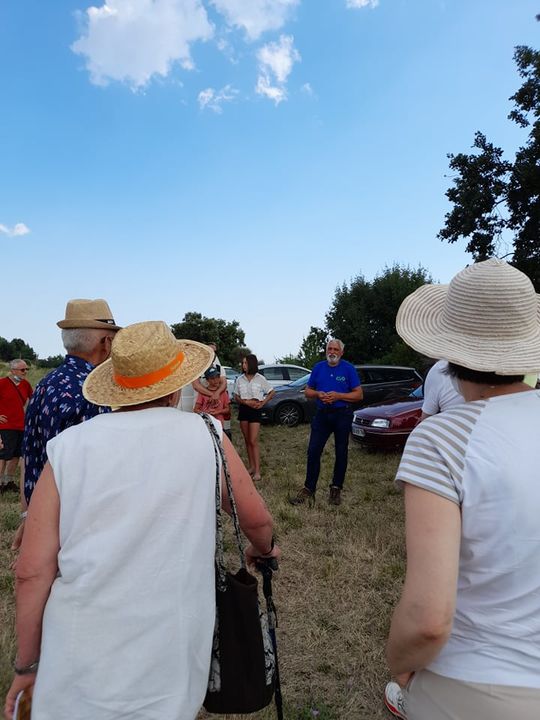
<point>335,340</point>
<point>14,364</point>
<point>81,340</point>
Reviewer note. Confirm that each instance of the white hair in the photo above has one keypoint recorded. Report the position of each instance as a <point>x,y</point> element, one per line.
<point>14,364</point>
<point>81,340</point>
<point>335,340</point>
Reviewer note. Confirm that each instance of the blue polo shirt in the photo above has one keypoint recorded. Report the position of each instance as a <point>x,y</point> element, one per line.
<point>337,378</point>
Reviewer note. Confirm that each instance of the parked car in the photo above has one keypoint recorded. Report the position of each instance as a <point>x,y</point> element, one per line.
<point>231,375</point>
<point>279,374</point>
<point>387,425</point>
<point>289,406</point>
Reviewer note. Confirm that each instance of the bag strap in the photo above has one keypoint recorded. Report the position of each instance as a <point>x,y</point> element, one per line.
<point>18,393</point>
<point>219,556</point>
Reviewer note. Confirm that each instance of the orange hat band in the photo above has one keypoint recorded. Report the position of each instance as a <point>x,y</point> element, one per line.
<point>151,378</point>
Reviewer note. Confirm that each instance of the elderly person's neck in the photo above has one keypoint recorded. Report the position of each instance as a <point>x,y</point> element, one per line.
<point>90,344</point>
<point>167,401</point>
<point>477,385</point>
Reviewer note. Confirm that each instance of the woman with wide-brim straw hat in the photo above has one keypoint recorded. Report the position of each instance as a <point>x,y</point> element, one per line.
<point>120,543</point>
<point>465,637</point>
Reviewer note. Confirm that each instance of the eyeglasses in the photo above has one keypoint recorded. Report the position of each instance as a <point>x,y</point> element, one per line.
<point>24,370</point>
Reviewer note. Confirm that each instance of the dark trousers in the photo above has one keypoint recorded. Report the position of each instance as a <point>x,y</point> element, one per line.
<point>338,422</point>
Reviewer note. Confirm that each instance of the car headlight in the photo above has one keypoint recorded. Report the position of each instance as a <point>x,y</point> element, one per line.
<point>380,422</point>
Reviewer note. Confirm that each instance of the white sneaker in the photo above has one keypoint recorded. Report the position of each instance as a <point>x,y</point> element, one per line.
<point>394,701</point>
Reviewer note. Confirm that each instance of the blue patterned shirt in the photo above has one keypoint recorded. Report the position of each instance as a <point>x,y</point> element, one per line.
<point>57,403</point>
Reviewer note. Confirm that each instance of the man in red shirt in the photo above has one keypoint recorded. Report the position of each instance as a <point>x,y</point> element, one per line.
<point>15,392</point>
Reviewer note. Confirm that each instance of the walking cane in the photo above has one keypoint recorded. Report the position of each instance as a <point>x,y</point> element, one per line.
<point>267,567</point>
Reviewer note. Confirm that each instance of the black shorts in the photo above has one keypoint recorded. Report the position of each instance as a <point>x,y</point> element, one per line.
<point>12,440</point>
<point>248,414</point>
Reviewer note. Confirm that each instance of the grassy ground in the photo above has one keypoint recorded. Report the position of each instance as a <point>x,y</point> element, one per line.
<point>339,579</point>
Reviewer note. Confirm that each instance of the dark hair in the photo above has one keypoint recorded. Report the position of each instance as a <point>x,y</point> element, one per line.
<point>252,364</point>
<point>481,378</point>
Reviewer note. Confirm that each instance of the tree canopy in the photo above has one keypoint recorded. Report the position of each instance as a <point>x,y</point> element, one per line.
<point>311,350</point>
<point>495,200</point>
<point>16,348</point>
<point>228,336</point>
<point>363,316</point>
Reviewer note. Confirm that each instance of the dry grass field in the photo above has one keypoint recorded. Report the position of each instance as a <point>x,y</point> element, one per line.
<point>339,579</point>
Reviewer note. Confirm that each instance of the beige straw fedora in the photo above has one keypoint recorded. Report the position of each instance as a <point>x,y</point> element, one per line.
<point>88,314</point>
<point>486,319</point>
<point>147,362</point>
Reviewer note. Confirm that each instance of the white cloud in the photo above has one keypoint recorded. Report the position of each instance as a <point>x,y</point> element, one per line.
<point>255,16</point>
<point>16,231</point>
<point>307,89</point>
<point>276,60</point>
<point>213,100</point>
<point>361,3</point>
<point>133,40</point>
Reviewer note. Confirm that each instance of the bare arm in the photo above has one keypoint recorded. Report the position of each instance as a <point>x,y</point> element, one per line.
<point>36,570</point>
<point>200,388</point>
<point>255,520</point>
<point>423,618</point>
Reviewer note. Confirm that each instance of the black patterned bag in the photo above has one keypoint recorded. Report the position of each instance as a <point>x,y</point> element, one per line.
<point>242,670</point>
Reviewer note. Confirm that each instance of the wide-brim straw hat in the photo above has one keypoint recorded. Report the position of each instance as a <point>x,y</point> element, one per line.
<point>486,319</point>
<point>81,313</point>
<point>147,362</point>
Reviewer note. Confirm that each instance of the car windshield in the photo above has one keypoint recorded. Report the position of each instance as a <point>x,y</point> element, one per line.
<point>300,382</point>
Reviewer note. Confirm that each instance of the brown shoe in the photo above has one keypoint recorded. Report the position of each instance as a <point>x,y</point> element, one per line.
<point>303,495</point>
<point>334,497</point>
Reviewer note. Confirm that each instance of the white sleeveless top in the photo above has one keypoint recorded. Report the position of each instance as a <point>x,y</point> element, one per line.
<point>128,626</point>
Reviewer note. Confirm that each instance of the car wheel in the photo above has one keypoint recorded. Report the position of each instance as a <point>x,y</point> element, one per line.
<point>288,414</point>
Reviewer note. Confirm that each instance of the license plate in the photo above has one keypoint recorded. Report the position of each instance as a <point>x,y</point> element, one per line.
<point>358,431</point>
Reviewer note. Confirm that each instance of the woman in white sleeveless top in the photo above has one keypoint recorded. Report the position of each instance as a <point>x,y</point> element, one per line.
<point>115,580</point>
<point>465,637</point>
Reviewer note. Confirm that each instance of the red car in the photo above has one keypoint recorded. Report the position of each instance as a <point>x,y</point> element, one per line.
<point>387,426</point>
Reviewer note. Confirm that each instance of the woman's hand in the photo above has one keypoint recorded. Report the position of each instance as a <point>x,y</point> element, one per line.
<point>20,682</point>
<point>252,554</point>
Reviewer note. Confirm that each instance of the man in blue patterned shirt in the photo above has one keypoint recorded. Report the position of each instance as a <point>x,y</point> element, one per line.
<point>58,403</point>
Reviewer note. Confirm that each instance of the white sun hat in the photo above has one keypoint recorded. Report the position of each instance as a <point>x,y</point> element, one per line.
<point>486,319</point>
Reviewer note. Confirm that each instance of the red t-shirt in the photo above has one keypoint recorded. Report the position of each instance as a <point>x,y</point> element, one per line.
<point>12,401</point>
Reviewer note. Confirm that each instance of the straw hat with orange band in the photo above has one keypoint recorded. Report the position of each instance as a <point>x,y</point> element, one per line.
<point>147,362</point>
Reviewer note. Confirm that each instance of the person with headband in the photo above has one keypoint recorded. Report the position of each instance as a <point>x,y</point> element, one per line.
<point>465,636</point>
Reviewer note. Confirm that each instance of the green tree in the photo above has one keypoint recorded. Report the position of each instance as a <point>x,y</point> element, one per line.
<point>497,201</point>
<point>311,351</point>
<point>363,315</point>
<point>16,348</point>
<point>313,346</point>
<point>228,336</point>
<point>53,361</point>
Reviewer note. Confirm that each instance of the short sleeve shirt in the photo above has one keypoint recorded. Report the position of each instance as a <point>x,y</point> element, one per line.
<point>254,389</point>
<point>334,378</point>
<point>13,398</point>
<point>57,403</point>
<point>484,457</point>
<point>439,391</point>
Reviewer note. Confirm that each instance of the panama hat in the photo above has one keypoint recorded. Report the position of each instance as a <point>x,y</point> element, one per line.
<point>147,362</point>
<point>88,314</point>
<point>486,319</point>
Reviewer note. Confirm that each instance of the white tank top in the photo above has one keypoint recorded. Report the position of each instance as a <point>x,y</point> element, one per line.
<point>127,630</point>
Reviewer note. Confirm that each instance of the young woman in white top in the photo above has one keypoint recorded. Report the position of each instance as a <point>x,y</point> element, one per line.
<point>464,641</point>
<point>251,391</point>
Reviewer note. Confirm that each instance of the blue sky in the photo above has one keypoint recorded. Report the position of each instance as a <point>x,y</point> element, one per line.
<point>239,158</point>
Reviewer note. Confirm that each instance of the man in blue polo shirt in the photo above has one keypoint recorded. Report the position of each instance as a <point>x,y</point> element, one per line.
<point>334,383</point>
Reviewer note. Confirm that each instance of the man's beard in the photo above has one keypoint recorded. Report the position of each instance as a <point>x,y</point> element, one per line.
<point>332,359</point>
